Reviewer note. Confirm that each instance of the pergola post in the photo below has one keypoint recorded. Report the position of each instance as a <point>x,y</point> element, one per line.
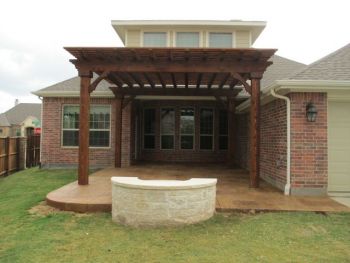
<point>83,166</point>
<point>255,129</point>
<point>118,130</point>
<point>231,107</point>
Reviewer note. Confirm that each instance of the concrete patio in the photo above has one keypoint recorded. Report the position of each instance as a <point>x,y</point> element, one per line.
<point>233,193</point>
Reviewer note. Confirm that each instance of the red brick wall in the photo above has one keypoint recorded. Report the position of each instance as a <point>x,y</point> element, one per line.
<point>241,156</point>
<point>309,155</point>
<point>308,144</point>
<point>178,155</point>
<point>54,155</point>
<point>273,143</point>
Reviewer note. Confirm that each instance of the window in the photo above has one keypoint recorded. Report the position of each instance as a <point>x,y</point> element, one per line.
<point>223,130</point>
<point>220,40</point>
<point>187,128</point>
<point>99,126</point>
<point>206,129</point>
<point>154,39</point>
<point>149,118</point>
<point>167,128</point>
<point>187,39</point>
<point>1,131</point>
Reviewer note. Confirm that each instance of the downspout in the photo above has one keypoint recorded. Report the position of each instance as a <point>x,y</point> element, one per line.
<point>273,93</point>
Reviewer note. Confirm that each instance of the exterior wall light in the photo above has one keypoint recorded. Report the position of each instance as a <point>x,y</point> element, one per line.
<point>311,112</point>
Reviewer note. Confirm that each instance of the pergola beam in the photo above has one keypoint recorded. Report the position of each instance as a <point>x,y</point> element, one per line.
<point>176,92</point>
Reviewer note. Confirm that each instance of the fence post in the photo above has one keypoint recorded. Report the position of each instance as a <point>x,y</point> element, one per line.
<point>18,149</point>
<point>7,153</point>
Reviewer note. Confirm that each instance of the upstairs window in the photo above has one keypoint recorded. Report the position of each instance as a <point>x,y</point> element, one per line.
<point>154,39</point>
<point>220,40</point>
<point>187,39</point>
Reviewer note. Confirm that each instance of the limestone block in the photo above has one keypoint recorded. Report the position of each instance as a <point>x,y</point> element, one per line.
<point>138,202</point>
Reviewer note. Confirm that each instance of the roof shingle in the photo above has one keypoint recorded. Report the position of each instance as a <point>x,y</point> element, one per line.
<point>335,66</point>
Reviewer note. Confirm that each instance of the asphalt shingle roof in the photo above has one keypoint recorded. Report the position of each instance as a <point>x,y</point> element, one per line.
<point>281,68</point>
<point>335,66</point>
<point>4,121</point>
<point>20,112</point>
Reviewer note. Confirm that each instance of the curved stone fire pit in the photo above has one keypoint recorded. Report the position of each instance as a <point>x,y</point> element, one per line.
<point>138,202</point>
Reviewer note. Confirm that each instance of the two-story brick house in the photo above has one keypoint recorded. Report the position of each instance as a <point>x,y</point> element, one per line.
<point>179,92</point>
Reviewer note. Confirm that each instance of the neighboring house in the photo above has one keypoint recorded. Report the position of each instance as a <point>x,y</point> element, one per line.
<point>172,94</point>
<point>22,120</point>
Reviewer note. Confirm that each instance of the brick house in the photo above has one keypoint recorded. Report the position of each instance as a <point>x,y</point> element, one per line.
<point>298,142</point>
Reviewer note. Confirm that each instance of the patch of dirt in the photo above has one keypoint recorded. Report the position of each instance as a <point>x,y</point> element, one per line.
<point>42,209</point>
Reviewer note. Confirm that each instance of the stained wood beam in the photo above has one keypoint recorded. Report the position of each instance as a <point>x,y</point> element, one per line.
<point>115,80</point>
<point>173,80</point>
<point>136,79</point>
<point>150,81</point>
<point>199,79</point>
<point>118,131</point>
<point>231,130</point>
<point>255,133</point>
<point>84,116</point>
<point>224,80</point>
<point>94,84</point>
<point>242,81</point>
<point>206,66</point>
<point>175,92</point>
<point>124,80</point>
<point>161,80</point>
<point>211,81</point>
<point>233,83</point>
<point>126,101</point>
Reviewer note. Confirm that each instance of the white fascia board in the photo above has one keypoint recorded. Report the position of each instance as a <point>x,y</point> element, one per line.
<point>287,86</point>
<point>187,22</point>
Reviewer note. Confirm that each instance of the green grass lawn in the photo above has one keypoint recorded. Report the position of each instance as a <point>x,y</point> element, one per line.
<point>69,237</point>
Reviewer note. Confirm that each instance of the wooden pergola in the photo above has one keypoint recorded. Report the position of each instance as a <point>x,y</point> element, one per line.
<point>171,72</point>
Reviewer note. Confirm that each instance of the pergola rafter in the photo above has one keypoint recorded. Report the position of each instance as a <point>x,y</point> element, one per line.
<point>171,72</point>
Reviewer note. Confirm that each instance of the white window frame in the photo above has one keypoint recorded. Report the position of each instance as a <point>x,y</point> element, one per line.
<point>90,147</point>
<point>166,134</point>
<point>212,135</point>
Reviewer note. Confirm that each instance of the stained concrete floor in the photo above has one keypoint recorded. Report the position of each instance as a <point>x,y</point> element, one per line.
<point>233,192</point>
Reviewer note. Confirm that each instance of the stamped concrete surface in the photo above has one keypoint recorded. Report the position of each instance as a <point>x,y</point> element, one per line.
<point>233,192</point>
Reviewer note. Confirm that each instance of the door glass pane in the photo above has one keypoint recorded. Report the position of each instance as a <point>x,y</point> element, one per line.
<point>167,121</point>
<point>187,121</point>
<point>206,142</point>
<point>149,121</point>
<point>167,141</point>
<point>186,142</point>
<point>206,121</point>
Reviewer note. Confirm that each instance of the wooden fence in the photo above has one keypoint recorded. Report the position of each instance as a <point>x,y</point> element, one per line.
<point>17,153</point>
<point>9,155</point>
<point>33,150</point>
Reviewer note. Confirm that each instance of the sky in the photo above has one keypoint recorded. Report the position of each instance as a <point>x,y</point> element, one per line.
<point>33,33</point>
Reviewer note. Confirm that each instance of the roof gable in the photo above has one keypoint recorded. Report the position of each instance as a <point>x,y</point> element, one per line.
<point>335,66</point>
<point>20,112</point>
